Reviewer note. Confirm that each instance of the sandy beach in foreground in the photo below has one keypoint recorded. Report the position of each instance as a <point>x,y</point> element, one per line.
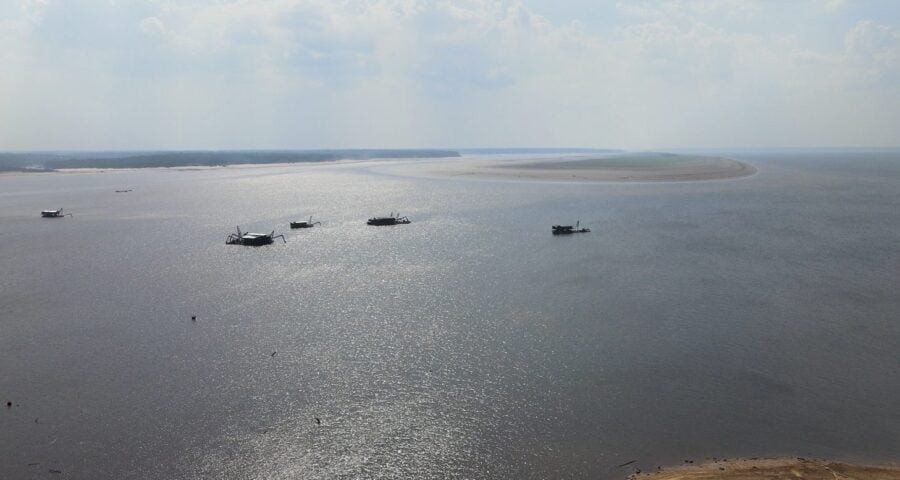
<point>772,468</point>
<point>620,168</point>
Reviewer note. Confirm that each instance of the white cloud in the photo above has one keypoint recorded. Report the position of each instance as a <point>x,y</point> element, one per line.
<point>870,58</point>
<point>153,26</point>
<point>870,43</point>
<point>835,5</point>
<point>320,73</point>
<point>732,10</point>
<point>34,9</point>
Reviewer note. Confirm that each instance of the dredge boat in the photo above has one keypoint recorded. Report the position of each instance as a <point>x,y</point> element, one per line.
<point>567,229</point>
<point>251,239</point>
<point>307,224</point>
<point>58,213</point>
<point>392,219</point>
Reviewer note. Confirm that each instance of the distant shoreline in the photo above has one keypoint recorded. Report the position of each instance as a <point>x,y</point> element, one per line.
<point>44,162</point>
<point>196,168</point>
<point>769,468</point>
<point>611,166</point>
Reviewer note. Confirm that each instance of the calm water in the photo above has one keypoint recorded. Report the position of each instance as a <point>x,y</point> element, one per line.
<point>753,317</point>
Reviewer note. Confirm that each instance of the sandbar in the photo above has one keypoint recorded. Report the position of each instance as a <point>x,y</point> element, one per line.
<point>636,167</point>
<point>772,469</point>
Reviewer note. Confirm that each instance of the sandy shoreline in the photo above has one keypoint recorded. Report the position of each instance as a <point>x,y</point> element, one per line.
<point>655,167</point>
<point>674,168</point>
<point>771,468</point>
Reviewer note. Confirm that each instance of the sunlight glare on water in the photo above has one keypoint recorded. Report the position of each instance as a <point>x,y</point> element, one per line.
<point>741,317</point>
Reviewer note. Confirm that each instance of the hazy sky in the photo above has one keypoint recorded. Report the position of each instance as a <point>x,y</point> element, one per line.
<point>171,74</point>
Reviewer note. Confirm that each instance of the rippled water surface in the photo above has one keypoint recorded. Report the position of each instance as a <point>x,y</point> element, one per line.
<point>758,316</point>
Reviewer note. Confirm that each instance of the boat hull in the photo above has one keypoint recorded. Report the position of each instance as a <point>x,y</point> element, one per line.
<point>384,221</point>
<point>568,230</point>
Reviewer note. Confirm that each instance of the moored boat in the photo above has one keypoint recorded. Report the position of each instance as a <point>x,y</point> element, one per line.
<point>307,224</point>
<point>392,219</point>
<point>58,213</point>
<point>252,239</point>
<point>567,229</point>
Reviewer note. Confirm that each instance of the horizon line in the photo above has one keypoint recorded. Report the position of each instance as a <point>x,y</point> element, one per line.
<point>457,149</point>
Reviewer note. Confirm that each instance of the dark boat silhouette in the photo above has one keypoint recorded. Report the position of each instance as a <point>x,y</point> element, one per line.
<point>58,213</point>
<point>567,229</point>
<point>251,239</point>
<point>307,224</point>
<point>392,219</point>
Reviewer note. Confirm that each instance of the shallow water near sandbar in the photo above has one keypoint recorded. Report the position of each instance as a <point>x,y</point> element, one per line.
<point>756,316</point>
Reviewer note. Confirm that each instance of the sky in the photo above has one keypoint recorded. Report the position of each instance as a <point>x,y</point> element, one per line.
<point>306,74</point>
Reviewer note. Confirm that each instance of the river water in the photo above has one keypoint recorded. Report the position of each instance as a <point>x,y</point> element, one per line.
<point>757,316</point>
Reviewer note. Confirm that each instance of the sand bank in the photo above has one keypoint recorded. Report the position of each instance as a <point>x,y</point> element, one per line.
<point>647,167</point>
<point>773,468</point>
